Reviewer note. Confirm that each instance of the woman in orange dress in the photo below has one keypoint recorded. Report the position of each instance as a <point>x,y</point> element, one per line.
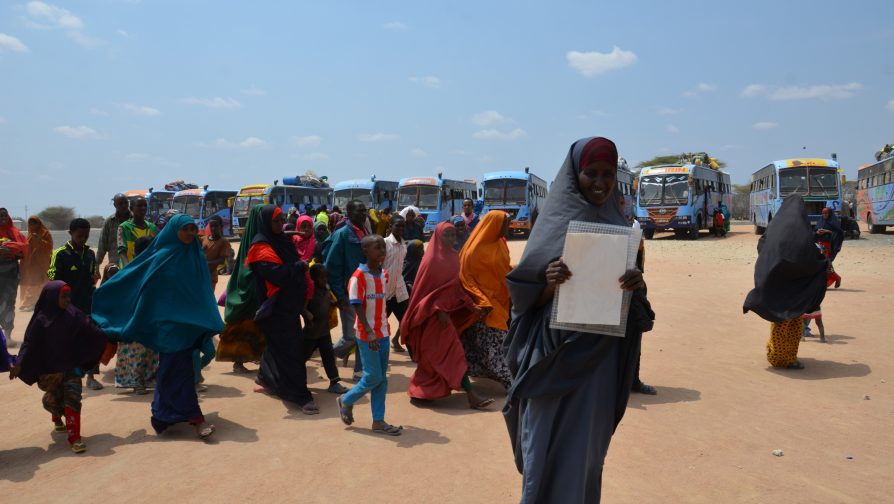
<point>36,262</point>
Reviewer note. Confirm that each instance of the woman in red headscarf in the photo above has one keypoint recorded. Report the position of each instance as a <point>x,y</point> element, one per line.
<point>36,262</point>
<point>13,246</point>
<point>437,307</point>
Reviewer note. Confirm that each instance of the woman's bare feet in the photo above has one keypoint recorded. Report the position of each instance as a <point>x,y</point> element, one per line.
<point>478,402</point>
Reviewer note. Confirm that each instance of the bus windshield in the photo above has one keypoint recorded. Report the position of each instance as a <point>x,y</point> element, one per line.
<point>243,204</point>
<point>422,197</point>
<point>792,181</point>
<point>506,192</point>
<point>823,182</point>
<point>663,190</point>
<point>343,196</point>
<point>188,205</point>
<point>214,203</point>
<point>160,202</point>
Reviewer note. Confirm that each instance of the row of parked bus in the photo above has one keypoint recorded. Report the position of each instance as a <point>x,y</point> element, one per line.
<point>681,197</point>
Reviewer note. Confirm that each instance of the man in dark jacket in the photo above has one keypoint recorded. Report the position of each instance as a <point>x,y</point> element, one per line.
<point>343,256</point>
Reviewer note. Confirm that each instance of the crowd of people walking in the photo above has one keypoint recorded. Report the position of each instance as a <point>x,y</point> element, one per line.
<point>463,311</point>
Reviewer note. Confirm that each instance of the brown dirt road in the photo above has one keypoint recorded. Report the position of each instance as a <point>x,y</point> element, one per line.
<point>706,437</point>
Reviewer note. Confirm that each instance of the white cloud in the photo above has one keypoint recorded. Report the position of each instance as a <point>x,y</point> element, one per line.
<point>764,125</point>
<point>78,132</point>
<point>98,112</point>
<point>428,81</point>
<point>308,141</point>
<point>316,156</point>
<point>253,91</point>
<point>418,152</point>
<point>595,63</point>
<point>251,142</point>
<point>49,17</point>
<point>378,137</point>
<point>890,105</point>
<point>248,143</point>
<point>141,110</point>
<point>10,43</point>
<point>700,88</point>
<point>123,33</point>
<point>57,17</point>
<point>819,91</point>
<point>672,129</point>
<point>492,134</point>
<point>395,26</point>
<point>488,117</point>
<point>667,111</point>
<point>216,103</point>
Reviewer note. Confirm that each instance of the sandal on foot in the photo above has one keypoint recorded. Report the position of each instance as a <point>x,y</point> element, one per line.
<point>78,446</point>
<point>389,430</point>
<point>337,388</point>
<point>643,388</point>
<point>483,404</point>
<point>345,412</point>
<point>310,408</point>
<point>59,426</point>
<point>395,344</point>
<point>240,368</point>
<point>795,365</point>
<point>205,430</point>
<point>93,384</point>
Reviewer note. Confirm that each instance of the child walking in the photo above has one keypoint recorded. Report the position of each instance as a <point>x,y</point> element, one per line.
<point>60,344</point>
<point>366,294</point>
<point>316,327</point>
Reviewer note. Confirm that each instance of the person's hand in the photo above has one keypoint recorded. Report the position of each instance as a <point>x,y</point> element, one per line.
<point>823,231</point>
<point>632,280</point>
<point>443,318</point>
<point>374,345</point>
<point>557,272</point>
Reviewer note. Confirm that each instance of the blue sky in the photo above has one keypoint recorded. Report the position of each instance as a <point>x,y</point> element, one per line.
<point>102,96</point>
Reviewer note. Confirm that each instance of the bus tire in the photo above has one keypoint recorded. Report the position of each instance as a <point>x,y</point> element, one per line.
<point>873,228</point>
<point>648,234</point>
<point>680,234</point>
<point>526,233</point>
<point>693,233</point>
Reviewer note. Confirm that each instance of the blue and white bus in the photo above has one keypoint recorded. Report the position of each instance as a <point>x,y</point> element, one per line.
<point>378,194</point>
<point>681,197</point>
<point>283,196</point>
<point>437,198</point>
<point>518,193</point>
<point>202,204</point>
<point>875,195</point>
<point>815,180</point>
<point>626,192</point>
<point>158,202</point>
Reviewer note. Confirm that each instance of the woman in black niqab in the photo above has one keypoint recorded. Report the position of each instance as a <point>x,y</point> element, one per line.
<point>789,280</point>
<point>569,389</point>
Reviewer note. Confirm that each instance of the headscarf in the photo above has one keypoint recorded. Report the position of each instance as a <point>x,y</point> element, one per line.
<point>17,243</point>
<point>242,289</point>
<point>563,204</point>
<point>415,251</point>
<point>280,243</point>
<point>437,287</point>
<point>305,246</point>
<point>460,238</point>
<point>322,229</point>
<point>790,273</point>
<point>335,220</point>
<point>403,213</point>
<point>58,340</point>
<point>163,298</point>
<point>484,264</point>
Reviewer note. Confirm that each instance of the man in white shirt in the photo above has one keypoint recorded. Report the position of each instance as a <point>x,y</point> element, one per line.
<point>396,296</point>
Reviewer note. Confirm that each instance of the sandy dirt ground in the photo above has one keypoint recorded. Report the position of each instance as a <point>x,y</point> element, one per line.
<point>708,436</point>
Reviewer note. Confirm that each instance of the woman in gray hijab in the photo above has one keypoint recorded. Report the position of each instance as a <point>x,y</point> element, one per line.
<point>569,389</point>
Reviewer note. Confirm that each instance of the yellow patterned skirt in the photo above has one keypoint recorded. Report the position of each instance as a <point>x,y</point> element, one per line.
<point>782,349</point>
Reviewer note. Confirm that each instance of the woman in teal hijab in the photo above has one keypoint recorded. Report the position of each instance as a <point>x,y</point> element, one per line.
<point>163,300</point>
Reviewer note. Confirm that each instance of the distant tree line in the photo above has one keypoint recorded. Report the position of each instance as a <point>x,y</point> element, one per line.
<point>59,217</point>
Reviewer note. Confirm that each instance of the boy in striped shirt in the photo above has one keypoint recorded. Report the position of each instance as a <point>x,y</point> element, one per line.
<point>366,294</point>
